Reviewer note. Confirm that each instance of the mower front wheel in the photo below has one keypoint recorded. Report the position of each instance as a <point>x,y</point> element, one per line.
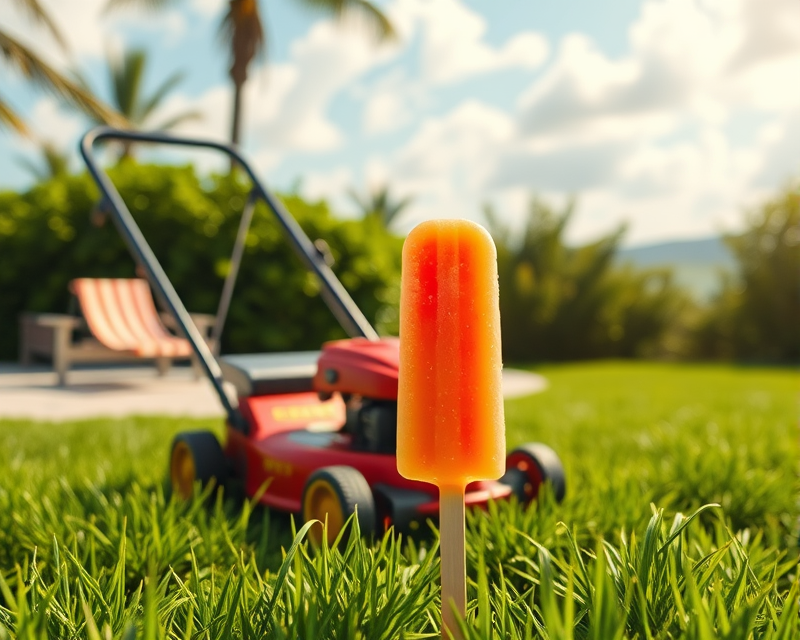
<point>529,466</point>
<point>338,492</point>
<point>196,455</point>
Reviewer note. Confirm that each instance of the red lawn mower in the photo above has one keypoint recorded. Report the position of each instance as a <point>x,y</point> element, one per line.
<point>317,429</point>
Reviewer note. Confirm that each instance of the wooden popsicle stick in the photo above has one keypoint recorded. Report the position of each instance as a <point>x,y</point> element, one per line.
<point>453,559</point>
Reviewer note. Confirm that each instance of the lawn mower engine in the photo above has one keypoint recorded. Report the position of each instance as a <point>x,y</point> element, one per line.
<point>364,372</point>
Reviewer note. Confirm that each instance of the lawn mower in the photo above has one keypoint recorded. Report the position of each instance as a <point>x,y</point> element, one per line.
<point>310,433</point>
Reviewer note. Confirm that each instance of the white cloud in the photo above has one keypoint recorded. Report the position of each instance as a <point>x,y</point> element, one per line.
<point>453,45</point>
<point>318,185</point>
<point>79,23</point>
<point>446,163</point>
<point>687,56</point>
<point>643,137</point>
<point>769,31</point>
<point>392,102</point>
<point>321,64</point>
<point>385,111</point>
<point>87,29</point>
<point>452,48</point>
<point>51,123</point>
<point>779,160</point>
<point>208,8</point>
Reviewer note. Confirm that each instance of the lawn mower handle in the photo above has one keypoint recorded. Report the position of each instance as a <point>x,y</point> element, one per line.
<point>333,293</point>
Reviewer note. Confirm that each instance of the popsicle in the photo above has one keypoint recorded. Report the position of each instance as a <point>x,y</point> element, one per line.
<point>450,424</point>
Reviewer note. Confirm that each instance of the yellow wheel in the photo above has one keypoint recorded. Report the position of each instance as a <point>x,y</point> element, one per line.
<point>337,493</point>
<point>196,456</point>
<point>182,471</point>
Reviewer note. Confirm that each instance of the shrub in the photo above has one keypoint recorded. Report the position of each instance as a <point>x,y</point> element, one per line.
<point>559,302</point>
<point>47,239</point>
<point>757,313</point>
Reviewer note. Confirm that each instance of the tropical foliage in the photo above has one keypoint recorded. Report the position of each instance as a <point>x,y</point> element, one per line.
<point>379,202</point>
<point>32,67</point>
<point>126,75</point>
<point>757,314</point>
<point>566,302</point>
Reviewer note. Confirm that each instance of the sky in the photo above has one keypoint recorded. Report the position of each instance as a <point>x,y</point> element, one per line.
<point>673,117</point>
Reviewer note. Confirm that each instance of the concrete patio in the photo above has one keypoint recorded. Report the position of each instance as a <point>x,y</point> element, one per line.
<point>31,392</point>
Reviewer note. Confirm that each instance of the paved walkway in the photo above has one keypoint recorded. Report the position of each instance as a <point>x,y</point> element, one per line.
<point>119,391</point>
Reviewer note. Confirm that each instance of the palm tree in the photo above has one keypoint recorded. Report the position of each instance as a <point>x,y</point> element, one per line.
<point>242,33</point>
<point>32,67</point>
<point>378,202</point>
<point>126,78</point>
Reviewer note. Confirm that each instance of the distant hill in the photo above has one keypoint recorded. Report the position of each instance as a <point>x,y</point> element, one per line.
<point>697,264</point>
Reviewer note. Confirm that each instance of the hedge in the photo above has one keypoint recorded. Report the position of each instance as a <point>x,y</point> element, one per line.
<point>47,238</point>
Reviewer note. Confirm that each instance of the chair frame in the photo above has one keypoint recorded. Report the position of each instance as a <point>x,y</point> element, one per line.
<point>49,335</point>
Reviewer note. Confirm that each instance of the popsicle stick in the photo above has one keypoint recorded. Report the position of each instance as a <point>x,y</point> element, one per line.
<point>453,559</point>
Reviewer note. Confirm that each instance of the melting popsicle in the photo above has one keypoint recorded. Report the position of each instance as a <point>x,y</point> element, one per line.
<point>450,427</point>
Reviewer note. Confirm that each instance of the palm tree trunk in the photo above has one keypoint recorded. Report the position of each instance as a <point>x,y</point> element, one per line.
<point>237,112</point>
<point>236,120</point>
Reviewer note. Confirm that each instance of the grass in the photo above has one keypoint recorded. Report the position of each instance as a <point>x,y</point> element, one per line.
<point>91,546</point>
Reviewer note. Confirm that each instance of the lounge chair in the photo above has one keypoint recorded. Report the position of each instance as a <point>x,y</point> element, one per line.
<point>123,321</point>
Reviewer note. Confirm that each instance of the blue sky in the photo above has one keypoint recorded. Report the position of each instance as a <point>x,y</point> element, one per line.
<point>672,116</point>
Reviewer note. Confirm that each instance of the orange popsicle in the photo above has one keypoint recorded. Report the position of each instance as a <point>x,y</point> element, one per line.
<point>450,427</point>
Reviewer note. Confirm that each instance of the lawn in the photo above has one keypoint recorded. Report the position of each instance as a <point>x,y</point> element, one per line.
<point>680,522</point>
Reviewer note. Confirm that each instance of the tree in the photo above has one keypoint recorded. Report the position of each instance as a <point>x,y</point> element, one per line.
<point>126,79</point>
<point>562,302</point>
<point>379,202</point>
<point>242,34</point>
<point>33,68</point>
<point>757,314</point>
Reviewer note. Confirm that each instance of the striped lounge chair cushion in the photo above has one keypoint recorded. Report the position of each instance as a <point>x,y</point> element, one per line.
<point>121,314</point>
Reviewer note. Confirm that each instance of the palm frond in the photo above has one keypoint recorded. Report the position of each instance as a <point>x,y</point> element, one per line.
<point>126,82</point>
<point>379,201</point>
<point>376,19</point>
<point>9,118</point>
<point>38,14</point>
<point>159,94</point>
<point>363,202</point>
<point>37,70</point>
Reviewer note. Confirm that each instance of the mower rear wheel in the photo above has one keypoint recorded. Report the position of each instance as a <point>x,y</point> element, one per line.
<point>196,455</point>
<point>529,466</point>
<point>337,492</point>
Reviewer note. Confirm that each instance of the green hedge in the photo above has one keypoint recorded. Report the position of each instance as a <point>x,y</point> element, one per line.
<point>47,238</point>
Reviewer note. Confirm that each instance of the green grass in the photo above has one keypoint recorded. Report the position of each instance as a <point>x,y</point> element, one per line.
<point>92,547</point>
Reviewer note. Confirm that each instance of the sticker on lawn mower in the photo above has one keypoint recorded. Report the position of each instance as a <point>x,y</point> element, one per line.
<point>277,467</point>
<point>314,412</point>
